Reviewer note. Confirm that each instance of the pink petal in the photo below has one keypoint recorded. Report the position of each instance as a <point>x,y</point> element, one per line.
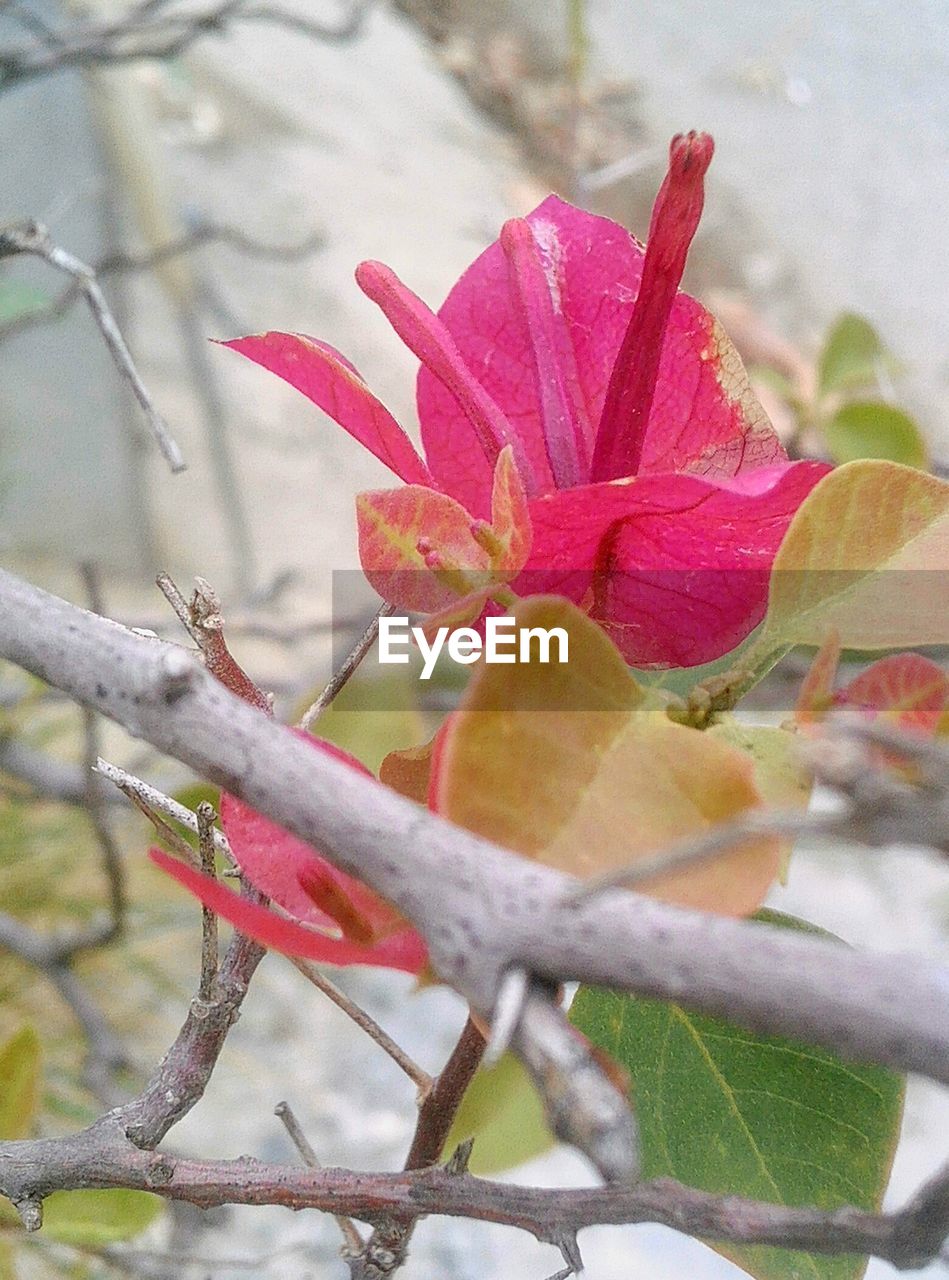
<point>594,266</point>
<point>675,567</point>
<point>404,950</point>
<point>675,218</point>
<point>566,429</point>
<point>292,873</point>
<point>331,382</point>
<point>704,417</point>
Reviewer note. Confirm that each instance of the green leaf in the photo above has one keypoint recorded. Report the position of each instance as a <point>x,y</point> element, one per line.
<point>852,355</point>
<point>874,429</point>
<point>19,1083</point>
<point>7,1267</point>
<point>503,1113</point>
<point>93,1219</point>
<point>18,299</point>
<point>738,1114</point>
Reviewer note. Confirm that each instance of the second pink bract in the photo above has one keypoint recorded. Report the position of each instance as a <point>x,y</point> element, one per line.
<point>657,491</point>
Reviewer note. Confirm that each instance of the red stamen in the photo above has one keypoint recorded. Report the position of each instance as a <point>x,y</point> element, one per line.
<point>629,397</point>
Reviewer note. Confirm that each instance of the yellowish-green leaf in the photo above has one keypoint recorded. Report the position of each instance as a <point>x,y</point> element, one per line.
<point>7,1266</point>
<point>737,1114</point>
<point>565,764</point>
<point>94,1219</point>
<point>503,1113</point>
<point>19,1083</point>
<point>874,429</point>
<point>852,356</point>
<point>866,554</point>
<point>780,775</point>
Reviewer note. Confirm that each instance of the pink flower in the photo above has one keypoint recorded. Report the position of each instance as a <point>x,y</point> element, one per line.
<point>584,423</point>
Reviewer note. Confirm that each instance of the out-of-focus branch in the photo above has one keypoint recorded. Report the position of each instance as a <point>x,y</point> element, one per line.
<point>160,29</point>
<point>122,263</point>
<point>31,238</point>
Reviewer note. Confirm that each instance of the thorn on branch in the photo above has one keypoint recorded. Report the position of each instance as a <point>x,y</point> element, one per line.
<point>457,1162</point>
<point>508,1007</point>
<point>31,1213</point>
<point>583,1106</point>
<point>567,1244</point>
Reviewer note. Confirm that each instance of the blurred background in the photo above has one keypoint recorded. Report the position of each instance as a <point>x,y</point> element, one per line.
<point>224,166</point>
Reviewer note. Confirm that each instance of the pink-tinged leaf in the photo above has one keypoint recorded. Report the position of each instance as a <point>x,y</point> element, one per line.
<point>296,877</point>
<point>417,548</point>
<point>567,764</point>
<point>331,382</point>
<point>905,687</point>
<point>675,567</point>
<point>675,219</point>
<point>403,950</point>
<point>510,516</point>
<point>817,691</point>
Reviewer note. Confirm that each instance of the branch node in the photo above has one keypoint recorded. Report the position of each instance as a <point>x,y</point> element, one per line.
<point>160,1171</point>
<point>176,675</point>
<point>31,1213</point>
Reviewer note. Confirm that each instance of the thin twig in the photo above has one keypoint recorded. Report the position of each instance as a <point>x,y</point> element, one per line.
<point>352,1239</point>
<point>148,31</point>
<point>32,238</point>
<point>151,798</point>
<point>347,668</point>
<point>420,1078</point>
<point>170,590</point>
<point>112,863</point>
<point>209,942</point>
<point>386,1248</point>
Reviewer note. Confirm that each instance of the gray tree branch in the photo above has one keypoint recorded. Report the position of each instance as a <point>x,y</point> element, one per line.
<point>102,1156</point>
<point>482,909</point>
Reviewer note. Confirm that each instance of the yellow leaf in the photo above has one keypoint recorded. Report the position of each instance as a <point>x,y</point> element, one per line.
<point>564,763</point>
<point>867,554</point>
<point>19,1083</point>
